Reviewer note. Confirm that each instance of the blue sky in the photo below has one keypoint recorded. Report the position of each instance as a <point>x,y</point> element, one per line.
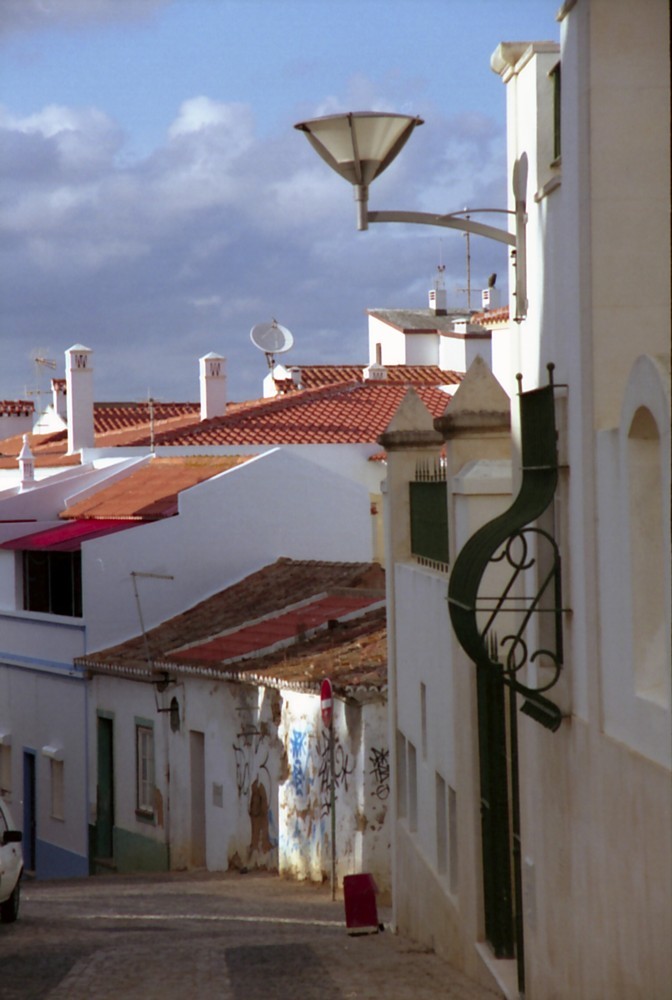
<point>156,203</point>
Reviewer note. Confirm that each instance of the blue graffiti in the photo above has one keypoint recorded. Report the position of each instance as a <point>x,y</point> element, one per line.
<point>298,746</point>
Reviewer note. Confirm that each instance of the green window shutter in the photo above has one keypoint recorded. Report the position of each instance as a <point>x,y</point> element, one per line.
<point>429,520</point>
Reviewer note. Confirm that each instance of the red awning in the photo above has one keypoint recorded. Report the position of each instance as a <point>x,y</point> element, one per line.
<point>68,537</point>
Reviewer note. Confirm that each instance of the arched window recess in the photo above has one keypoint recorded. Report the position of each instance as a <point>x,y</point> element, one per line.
<point>524,552</point>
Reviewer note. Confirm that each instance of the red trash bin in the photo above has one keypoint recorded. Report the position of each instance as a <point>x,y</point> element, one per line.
<point>361,912</point>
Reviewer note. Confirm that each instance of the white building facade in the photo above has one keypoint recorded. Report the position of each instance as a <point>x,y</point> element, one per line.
<point>539,856</point>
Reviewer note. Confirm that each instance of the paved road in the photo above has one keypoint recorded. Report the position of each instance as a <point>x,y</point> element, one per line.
<point>192,936</point>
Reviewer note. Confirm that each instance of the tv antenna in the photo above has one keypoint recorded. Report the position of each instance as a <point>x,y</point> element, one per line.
<point>467,237</point>
<point>272,339</point>
<point>41,363</point>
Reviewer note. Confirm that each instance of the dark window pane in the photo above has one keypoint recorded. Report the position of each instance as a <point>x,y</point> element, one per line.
<point>429,520</point>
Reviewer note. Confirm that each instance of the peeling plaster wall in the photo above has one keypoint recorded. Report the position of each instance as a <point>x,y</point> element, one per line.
<point>244,781</point>
<point>361,769</point>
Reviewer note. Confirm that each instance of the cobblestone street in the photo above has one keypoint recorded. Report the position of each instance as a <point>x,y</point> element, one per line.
<point>235,937</point>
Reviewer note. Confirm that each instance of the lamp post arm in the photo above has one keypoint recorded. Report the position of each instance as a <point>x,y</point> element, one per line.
<point>448,222</point>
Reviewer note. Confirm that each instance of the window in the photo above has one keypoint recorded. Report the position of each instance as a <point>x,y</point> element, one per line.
<point>6,771</point>
<point>52,582</point>
<point>647,558</point>
<point>429,515</point>
<point>144,743</point>
<point>557,138</point>
<point>441,826</point>
<point>412,787</point>
<point>402,782</point>
<point>452,839</point>
<point>423,718</point>
<point>57,786</point>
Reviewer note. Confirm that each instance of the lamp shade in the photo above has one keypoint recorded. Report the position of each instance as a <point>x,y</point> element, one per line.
<point>359,145</point>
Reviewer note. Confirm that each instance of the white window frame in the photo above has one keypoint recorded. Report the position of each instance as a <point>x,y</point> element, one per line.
<point>144,768</point>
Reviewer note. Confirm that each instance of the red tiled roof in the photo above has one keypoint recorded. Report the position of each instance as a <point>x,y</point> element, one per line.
<point>16,407</point>
<point>48,450</point>
<point>351,413</point>
<point>313,376</point>
<point>233,633</point>
<point>500,315</point>
<point>152,491</point>
<point>275,629</point>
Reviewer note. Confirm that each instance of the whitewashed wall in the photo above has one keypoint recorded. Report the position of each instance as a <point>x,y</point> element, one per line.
<point>228,527</point>
<point>45,707</point>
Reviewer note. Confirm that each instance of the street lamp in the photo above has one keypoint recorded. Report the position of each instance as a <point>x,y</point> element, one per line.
<point>359,145</point>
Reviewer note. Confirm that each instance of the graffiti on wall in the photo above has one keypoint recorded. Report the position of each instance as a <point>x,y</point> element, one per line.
<point>380,769</point>
<point>253,781</point>
<point>343,768</point>
<point>299,751</point>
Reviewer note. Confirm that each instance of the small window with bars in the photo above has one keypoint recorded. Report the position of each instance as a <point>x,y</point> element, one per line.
<point>429,514</point>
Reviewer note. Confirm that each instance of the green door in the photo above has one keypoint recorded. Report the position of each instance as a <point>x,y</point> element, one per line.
<point>105,797</point>
<point>495,813</point>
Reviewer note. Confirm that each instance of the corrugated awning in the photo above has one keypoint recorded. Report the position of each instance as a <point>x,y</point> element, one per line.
<point>68,537</point>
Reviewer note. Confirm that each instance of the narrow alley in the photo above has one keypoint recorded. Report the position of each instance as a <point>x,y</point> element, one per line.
<point>233,936</point>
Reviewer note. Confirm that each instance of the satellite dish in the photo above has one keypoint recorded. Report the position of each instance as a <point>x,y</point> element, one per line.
<point>271,338</point>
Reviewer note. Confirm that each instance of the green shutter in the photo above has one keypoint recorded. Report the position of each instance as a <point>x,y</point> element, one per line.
<point>429,520</point>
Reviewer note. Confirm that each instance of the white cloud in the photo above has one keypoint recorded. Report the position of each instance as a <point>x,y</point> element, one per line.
<point>183,251</point>
<point>26,15</point>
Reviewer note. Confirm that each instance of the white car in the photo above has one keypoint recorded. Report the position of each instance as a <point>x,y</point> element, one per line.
<point>11,866</point>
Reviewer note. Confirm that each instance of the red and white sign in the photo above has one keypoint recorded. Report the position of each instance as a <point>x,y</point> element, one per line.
<point>326,702</point>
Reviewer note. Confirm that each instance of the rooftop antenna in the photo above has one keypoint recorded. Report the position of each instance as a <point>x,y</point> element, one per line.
<point>272,339</point>
<point>467,237</point>
<point>40,362</point>
<point>150,404</point>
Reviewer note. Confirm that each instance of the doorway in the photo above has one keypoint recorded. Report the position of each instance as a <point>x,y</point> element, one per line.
<point>104,840</point>
<point>197,774</point>
<point>500,816</point>
<point>29,812</point>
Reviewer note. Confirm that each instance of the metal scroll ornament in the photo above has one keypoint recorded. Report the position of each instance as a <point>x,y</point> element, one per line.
<point>514,542</point>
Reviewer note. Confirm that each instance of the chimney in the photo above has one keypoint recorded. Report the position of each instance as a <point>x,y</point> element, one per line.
<point>437,295</point>
<point>26,465</point>
<point>79,397</point>
<point>295,372</point>
<point>375,373</point>
<point>213,386</point>
<point>58,397</point>
<point>490,295</point>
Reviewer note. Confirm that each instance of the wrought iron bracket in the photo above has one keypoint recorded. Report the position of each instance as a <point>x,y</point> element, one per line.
<point>513,541</point>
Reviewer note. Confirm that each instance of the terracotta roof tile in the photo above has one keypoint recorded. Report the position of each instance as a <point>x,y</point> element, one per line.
<point>334,411</point>
<point>500,315</point>
<point>233,633</point>
<point>152,491</point>
<point>350,413</point>
<point>16,407</point>
<point>314,376</point>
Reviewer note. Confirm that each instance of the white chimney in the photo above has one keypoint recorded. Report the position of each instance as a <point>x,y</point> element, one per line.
<point>437,295</point>
<point>213,386</point>
<point>490,295</point>
<point>375,373</point>
<point>26,465</point>
<point>58,398</point>
<point>79,397</point>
